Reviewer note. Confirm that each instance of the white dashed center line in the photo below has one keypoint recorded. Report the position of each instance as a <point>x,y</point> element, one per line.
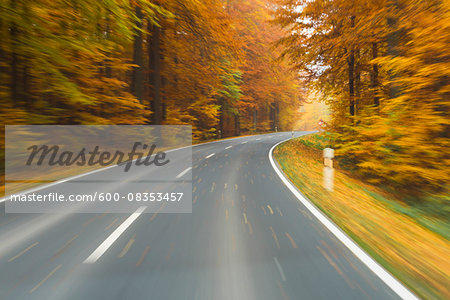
<point>283,277</point>
<point>211,155</point>
<point>114,236</point>
<point>184,172</point>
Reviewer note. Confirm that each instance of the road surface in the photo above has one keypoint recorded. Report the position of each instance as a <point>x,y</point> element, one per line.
<point>248,237</point>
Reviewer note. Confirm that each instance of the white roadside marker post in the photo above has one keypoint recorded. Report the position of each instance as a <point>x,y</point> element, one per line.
<point>328,171</point>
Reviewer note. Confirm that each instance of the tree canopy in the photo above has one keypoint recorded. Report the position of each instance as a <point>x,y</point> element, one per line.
<point>383,68</point>
<point>210,64</point>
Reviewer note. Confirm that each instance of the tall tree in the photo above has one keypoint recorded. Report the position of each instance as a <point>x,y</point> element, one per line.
<point>137,82</point>
<point>154,54</point>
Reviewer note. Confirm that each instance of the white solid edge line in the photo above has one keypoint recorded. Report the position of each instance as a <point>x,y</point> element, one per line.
<point>57,182</point>
<point>384,275</point>
<point>211,155</point>
<point>228,147</point>
<point>114,236</point>
<point>184,172</point>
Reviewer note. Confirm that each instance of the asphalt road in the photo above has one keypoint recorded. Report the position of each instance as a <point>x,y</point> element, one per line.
<point>248,237</point>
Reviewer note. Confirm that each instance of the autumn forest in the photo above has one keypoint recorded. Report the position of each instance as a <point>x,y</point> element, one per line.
<point>210,64</point>
<point>232,67</point>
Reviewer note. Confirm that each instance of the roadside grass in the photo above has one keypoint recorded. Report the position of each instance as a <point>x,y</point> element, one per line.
<point>411,242</point>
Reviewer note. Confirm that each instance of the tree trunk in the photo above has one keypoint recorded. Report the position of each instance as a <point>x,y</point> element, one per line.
<point>164,111</point>
<point>155,73</point>
<point>137,82</point>
<point>351,67</point>
<point>392,40</point>
<point>15,61</point>
<point>255,119</point>
<point>25,89</point>
<point>237,125</point>
<point>108,71</point>
<point>164,82</point>
<point>3,58</point>
<point>357,81</point>
<point>276,113</point>
<point>273,115</point>
<point>221,117</point>
<point>374,75</point>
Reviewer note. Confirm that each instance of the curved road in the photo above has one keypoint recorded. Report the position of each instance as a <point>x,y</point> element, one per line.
<point>248,237</point>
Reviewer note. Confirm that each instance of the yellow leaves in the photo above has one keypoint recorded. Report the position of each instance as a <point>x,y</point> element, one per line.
<point>403,141</point>
<point>77,57</point>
